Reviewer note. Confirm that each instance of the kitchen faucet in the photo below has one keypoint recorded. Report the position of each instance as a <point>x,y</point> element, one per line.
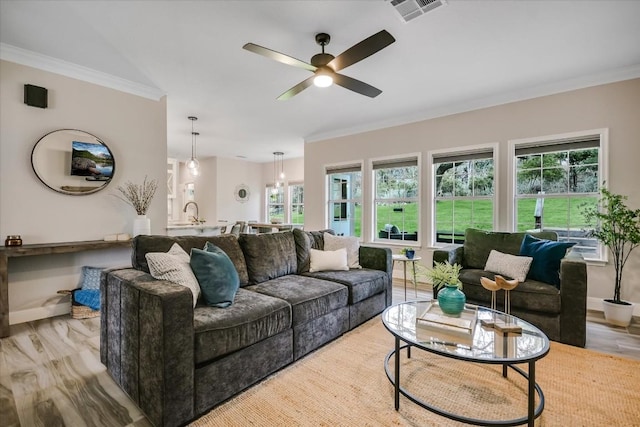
<point>196,217</point>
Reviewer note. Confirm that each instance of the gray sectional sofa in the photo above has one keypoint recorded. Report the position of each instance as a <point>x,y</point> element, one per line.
<point>177,361</point>
<point>560,312</point>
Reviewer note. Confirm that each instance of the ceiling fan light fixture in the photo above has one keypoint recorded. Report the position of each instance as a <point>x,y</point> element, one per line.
<point>323,78</point>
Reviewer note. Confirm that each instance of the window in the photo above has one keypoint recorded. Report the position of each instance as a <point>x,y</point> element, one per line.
<point>296,198</point>
<point>464,187</point>
<point>344,185</point>
<point>397,189</point>
<point>275,203</point>
<point>554,180</point>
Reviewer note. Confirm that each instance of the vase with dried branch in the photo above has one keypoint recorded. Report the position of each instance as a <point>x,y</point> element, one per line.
<point>139,196</point>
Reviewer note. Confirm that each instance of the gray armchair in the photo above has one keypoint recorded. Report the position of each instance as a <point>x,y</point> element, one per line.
<point>558,312</point>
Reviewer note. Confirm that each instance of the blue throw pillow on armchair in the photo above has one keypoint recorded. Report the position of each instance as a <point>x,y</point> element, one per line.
<point>546,255</point>
<point>216,274</point>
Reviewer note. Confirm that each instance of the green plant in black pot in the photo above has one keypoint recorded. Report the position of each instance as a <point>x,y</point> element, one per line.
<point>617,226</point>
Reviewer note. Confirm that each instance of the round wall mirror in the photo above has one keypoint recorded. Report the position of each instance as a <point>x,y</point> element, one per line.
<point>242,193</point>
<point>72,161</point>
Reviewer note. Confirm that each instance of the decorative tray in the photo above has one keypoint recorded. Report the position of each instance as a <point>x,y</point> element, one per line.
<point>433,323</point>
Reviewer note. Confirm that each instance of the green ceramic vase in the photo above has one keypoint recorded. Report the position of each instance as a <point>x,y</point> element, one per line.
<point>451,300</point>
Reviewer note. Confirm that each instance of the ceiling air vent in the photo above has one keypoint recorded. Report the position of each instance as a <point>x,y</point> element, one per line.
<point>410,9</point>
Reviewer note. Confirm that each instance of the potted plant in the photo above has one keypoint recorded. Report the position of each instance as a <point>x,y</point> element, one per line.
<point>618,227</point>
<point>446,281</point>
<point>408,252</point>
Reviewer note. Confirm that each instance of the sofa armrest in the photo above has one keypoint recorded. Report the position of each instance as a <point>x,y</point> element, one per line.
<point>378,259</point>
<point>451,253</point>
<point>573,294</point>
<point>148,340</point>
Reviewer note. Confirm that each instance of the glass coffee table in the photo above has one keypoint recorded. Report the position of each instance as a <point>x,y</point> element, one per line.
<point>483,344</point>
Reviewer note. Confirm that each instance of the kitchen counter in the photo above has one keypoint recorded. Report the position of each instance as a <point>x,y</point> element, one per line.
<point>185,229</point>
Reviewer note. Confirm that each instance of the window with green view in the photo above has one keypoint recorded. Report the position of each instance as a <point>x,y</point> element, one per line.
<point>396,200</point>
<point>275,203</point>
<point>296,201</point>
<point>464,189</point>
<point>555,181</point>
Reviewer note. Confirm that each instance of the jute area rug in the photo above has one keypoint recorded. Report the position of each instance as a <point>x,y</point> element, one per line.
<point>344,384</point>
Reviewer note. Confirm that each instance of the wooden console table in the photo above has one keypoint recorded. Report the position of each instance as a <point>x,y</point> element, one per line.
<point>7,252</point>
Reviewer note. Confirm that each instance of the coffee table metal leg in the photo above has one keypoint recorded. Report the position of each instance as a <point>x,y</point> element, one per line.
<point>397,374</point>
<point>532,393</point>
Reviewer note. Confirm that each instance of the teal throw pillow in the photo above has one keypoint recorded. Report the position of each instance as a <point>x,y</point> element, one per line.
<point>216,274</point>
<point>546,255</point>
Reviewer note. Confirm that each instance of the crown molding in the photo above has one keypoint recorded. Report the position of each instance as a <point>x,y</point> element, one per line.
<point>610,76</point>
<point>75,71</point>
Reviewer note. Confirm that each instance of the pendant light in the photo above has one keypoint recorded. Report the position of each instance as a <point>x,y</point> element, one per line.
<point>278,170</point>
<point>193,165</point>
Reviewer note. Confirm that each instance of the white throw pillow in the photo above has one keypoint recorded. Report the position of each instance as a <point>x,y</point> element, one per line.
<point>351,244</point>
<point>328,260</point>
<point>512,266</point>
<point>174,267</point>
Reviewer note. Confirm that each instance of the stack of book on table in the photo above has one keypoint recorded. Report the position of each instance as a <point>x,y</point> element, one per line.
<point>433,325</point>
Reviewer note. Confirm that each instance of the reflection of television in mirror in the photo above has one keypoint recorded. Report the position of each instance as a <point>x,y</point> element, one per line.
<point>91,160</point>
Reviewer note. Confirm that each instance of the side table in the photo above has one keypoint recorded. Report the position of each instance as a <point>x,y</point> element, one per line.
<point>405,260</point>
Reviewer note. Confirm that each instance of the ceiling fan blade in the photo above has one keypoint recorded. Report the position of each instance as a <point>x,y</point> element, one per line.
<point>296,89</point>
<point>277,56</point>
<point>360,51</point>
<point>356,85</point>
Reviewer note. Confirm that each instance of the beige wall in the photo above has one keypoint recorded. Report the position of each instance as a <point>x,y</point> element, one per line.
<point>133,127</point>
<point>613,106</point>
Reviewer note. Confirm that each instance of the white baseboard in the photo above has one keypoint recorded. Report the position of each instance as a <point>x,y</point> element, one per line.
<point>31,314</point>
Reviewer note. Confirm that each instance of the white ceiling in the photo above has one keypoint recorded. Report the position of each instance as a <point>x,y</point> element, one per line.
<point>465,55</point>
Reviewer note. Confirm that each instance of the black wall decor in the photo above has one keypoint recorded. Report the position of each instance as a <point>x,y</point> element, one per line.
<point>35,96</point>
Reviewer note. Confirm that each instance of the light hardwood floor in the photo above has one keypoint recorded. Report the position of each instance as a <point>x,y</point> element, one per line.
<point>51,375</point>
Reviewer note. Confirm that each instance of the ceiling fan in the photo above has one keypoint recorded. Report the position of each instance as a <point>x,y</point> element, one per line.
<point>325,66</point>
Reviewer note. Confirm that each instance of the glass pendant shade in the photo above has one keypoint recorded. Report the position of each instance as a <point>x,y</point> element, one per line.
<point>193,164</point>
<point>278,165</point>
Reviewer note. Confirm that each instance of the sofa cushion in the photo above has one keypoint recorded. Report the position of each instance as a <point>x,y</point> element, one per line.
<point>328,260</point>
<point>309,297</point>
<point>479,243</point>
<point>269,255</point>
<point>227,242</point>
<point>547,256</point>
<point>512,266</point>
<point>362,284</point>
<point>350,243</point>
<point>252,318</point>
<point>174,267</point>
<point>217,277</point>
<point>306,240</point>
<point>529,295</point>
